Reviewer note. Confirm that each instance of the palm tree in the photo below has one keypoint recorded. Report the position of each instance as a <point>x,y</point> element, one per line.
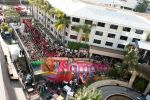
<point>85,94</point>
<point>32,2</point>
<point>38,4</point>
<point>77,28</point>
<point>46,7</point>
<point>59,13</point>
<point>131,60</point>
<point>61,23</point>
<point>86,30</point>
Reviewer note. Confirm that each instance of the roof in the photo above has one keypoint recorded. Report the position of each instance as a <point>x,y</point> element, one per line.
<point>14,49</point>
<point>143,45</point>
<point>125,3</point>
<point>82,10</point>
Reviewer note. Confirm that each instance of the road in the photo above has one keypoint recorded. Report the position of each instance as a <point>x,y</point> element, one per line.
<point>109,90</point>
<point>13,88</point>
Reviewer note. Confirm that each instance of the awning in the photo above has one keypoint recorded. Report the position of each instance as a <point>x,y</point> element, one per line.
<point>106,52</point>
<point>143,45</point>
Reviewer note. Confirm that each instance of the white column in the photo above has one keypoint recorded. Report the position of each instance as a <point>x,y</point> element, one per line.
<point>134,74</point>
<point>145,54</point>
<point>147,89</point>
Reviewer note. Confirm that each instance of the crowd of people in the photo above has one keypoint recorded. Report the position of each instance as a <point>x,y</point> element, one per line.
<point>105,60</point>
<point>52,48</point>
<point>35,54</point>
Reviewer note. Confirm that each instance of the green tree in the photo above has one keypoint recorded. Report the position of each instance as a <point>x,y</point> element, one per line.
<point>130,57</point>
<point>39,4</point>
<point>11,15</point>
<point>62,23</point>
<point>59,14</point>
<point>122,70</point>
<point>86,30</point>
<point>140,84</point>
<point>85,94</point>
<point>141,7</point>
<point>46,7</point>
<point>32,3</point>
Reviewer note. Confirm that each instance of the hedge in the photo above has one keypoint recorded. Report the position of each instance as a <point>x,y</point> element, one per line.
<point>77,45</point>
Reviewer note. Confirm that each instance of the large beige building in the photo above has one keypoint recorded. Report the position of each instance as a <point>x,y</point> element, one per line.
<point>111,29</point>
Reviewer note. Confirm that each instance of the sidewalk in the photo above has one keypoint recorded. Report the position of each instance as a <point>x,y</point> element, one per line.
<point>3,94</point>
<point>18,91</point>
<point>108,82</point>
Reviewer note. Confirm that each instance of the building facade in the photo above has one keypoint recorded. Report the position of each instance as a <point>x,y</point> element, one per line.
<point>121,4</point>
<point>111,29</point>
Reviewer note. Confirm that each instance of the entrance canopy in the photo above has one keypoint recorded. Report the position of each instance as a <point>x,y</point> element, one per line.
<point>143,45</point>
<point>106,52</point>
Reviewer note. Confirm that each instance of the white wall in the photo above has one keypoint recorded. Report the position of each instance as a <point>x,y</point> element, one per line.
<point>103,38</point>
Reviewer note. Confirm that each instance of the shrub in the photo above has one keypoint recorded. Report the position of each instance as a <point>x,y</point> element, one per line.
<point>141,7</point>
<point>140,84</point>
<point>77,45</point>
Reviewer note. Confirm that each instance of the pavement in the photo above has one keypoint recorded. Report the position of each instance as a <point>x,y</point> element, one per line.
<point>110,87</point>
<point>4,93</point>
<point>13,89</point>
<point>109,90</point>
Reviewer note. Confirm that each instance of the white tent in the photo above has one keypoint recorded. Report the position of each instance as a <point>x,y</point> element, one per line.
<point>14,51</point>
<point>143,45</point>
<point>148,97</point>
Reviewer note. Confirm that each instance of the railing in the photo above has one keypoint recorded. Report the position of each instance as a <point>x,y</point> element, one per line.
<point>22,46</point>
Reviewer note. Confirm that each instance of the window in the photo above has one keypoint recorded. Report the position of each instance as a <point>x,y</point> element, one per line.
<point>65,41</point>
<point>55,32</point>
<point>52,29</point>
<point>139,31</point>
<point>126,29</point>
<point>88,22</point>
<point>123,38</point>
<point>66,33</point>
<point>114,27</point>
<point>52,15</point>
<point>121,46</point>
<point>75,19</point>
<point>73,37</point>
<point>72,28</point>
<point>48,26</point>
<point>101,24</point>
<point>108,43</point>
<point>52,22</point>
<point>83,38</point>
<point>99,33</point>
<point>111,35</point>
<point>97,41</point>
<point>48,19</point>
<point>135,39</point>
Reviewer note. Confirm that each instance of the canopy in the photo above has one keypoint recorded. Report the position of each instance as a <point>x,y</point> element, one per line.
<point>14,51</point>
<point>143,45</point>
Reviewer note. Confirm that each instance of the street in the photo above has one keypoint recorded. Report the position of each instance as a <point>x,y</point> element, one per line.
<point>13,88</point>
